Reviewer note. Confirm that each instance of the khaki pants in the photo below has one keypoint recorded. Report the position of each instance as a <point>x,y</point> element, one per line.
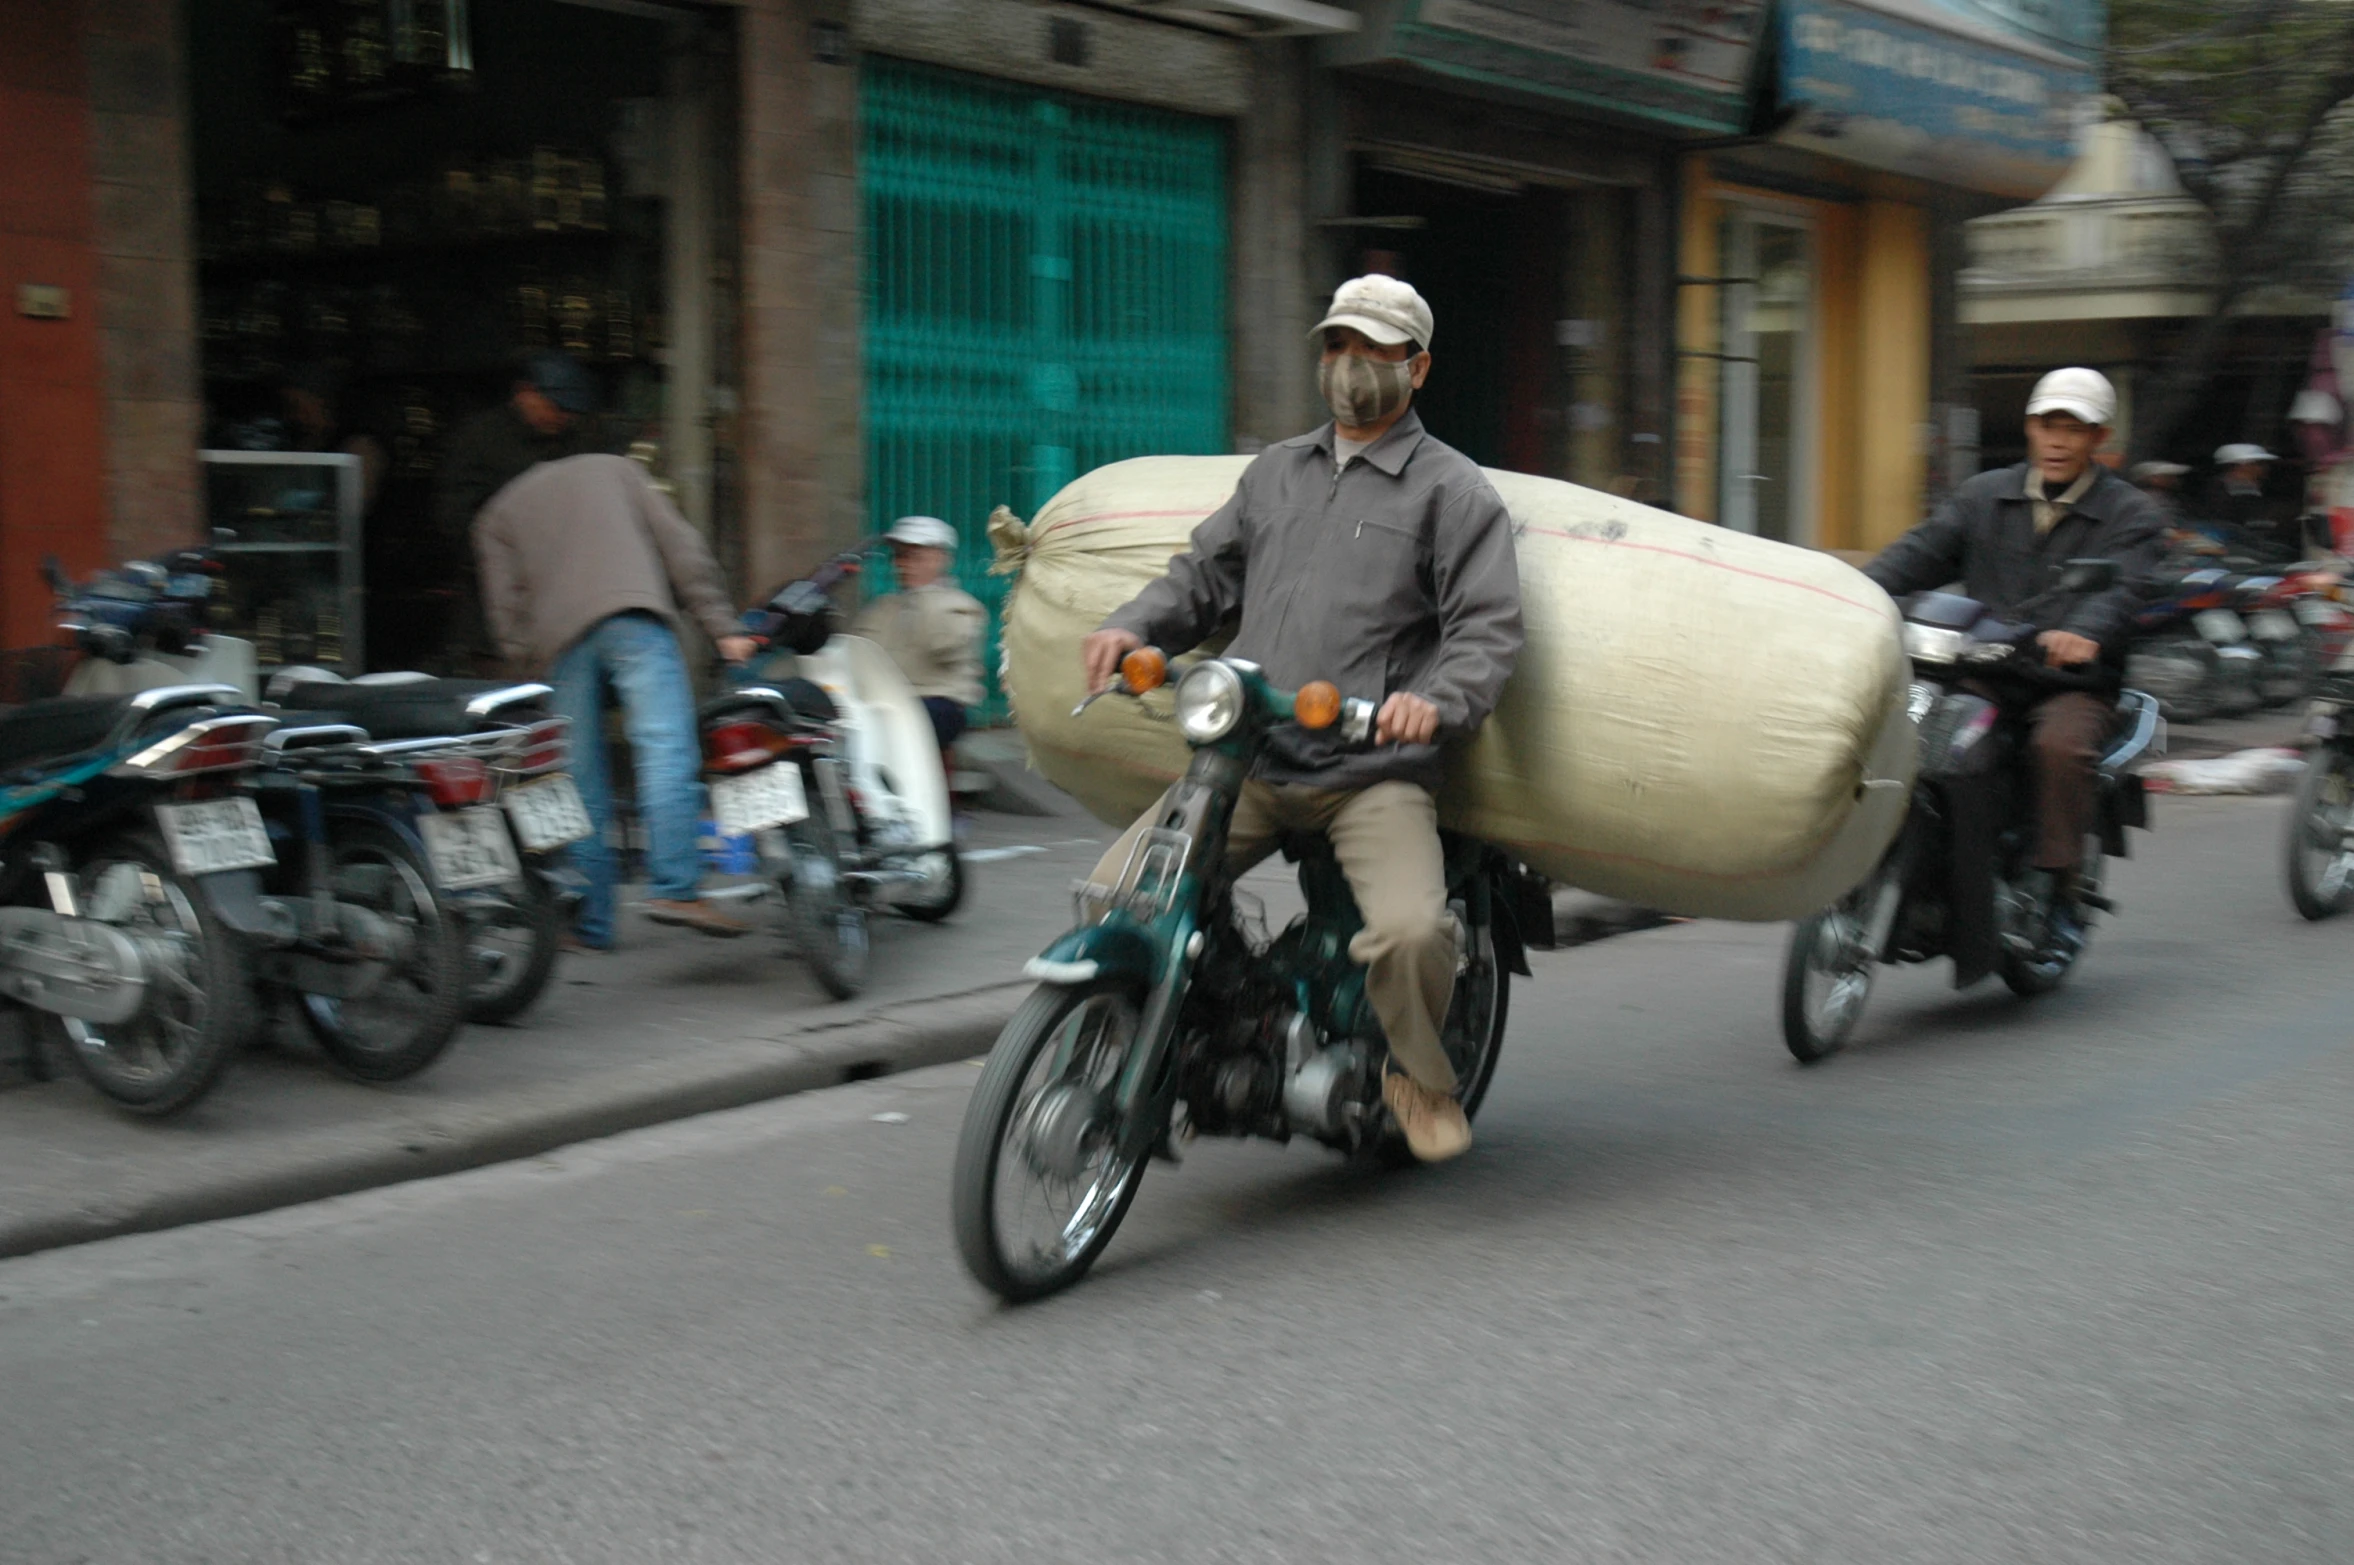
<point>1387,840</point>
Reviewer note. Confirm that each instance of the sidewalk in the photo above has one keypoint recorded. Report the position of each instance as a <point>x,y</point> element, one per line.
<point>673,1024</point>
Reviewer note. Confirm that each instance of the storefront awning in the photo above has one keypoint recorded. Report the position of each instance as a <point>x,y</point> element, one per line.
<point>1689,66</point>
<point>1956,91</point>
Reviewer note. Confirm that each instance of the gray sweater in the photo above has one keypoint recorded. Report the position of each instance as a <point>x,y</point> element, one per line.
<point>1396,573</point>
<point>572,543</point>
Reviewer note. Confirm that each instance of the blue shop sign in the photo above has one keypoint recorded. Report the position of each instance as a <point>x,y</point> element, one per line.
<point>1963,94</point>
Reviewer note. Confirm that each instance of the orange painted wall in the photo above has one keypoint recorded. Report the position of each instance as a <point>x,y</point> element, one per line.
<point>52,420</point>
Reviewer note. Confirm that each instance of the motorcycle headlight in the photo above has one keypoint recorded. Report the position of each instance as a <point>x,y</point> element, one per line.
<point>1930,644</point>
<point>1209,702</point>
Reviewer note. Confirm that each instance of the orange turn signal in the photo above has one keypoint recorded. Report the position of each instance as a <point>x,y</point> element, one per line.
<point>1317,705</point>
<point>1144,669</point>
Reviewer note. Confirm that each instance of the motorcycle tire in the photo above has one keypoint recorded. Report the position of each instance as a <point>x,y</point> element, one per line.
<point>1026,1130</point>
<point>1473,1037</point>
<point>2184,699</point>
<point>2029,975</point>
<point>1827,976</point>
<point>2320,870</point>
<point>2290,668</point>
<point>947,902</point>
<point>408,1019</point>
<point>159,1062</point>
<point>504,980</point>
<point>829,928</point>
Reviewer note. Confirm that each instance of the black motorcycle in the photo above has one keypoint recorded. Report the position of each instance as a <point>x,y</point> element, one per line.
<point>1165,1013</point>
<point>1958,881</point>
<point>2321,820</point>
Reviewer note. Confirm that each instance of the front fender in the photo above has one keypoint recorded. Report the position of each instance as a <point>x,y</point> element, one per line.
<point>1115,948</point>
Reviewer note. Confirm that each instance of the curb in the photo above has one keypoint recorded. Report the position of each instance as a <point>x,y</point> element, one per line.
<point>525,1122</point>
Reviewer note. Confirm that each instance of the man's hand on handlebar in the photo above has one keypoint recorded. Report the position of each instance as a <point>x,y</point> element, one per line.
<point>2066,649</point>
<point>1406,718</point>
<point>738,649</point>
<point>1101,652</point>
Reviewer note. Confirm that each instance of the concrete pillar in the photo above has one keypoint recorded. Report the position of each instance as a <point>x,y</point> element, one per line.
<point>801,436</point>
<point>144,233</point>
<point>1274,293</point>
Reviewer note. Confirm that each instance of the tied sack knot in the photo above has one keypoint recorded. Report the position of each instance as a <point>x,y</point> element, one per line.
<point>1010,536</point>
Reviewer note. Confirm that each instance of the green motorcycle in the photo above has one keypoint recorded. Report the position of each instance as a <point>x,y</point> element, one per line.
<point>1163,1015</point>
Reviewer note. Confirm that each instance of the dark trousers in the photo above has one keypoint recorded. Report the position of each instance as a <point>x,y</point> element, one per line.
<point>2066,734</point>
<point>948,719</point>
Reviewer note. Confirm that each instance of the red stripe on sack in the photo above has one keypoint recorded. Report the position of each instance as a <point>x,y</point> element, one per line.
<point>1738,570</point>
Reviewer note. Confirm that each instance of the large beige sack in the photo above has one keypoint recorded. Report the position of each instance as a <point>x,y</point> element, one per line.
<point>1703,722</point>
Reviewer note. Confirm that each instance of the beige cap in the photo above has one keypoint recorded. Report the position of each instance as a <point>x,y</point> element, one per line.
<point>2085,393</point>
<point>1383,308</point>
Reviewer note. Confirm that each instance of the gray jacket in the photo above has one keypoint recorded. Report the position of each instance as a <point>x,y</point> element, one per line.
<point>1397,574</point>
<point>1984,536</point>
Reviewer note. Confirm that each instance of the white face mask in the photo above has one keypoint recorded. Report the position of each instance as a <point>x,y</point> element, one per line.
<point>1362,391</point>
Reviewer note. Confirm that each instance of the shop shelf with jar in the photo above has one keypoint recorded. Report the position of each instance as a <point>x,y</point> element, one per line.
<point>286,525</point>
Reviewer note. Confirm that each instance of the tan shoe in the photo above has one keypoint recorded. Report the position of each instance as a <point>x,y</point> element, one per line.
<point>700,916</point>
<point>1434,1124</point>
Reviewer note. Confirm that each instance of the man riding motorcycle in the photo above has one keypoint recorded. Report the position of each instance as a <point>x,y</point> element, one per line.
<point>1368,554</point>
<point>2008,535</point>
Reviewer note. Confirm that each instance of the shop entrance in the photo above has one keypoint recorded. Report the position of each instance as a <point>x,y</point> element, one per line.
<point>397,203</point>
<point>1768,375</point>
<point>1045,292</point>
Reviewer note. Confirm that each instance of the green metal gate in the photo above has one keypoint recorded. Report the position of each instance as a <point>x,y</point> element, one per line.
<point>1045,293</point>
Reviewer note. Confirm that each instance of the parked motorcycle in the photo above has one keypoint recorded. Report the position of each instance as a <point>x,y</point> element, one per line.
<point>128,883</point>
<point>2320,847</point>
<point>2192,651</point>
<point>2289,652</point>
<point>1163,1014</point>
<point>491,759</point>
<point>859,819</point>
<point>1958,882</point>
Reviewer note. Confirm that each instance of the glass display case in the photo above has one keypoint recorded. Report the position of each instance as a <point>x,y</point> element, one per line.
<point>286,525</point>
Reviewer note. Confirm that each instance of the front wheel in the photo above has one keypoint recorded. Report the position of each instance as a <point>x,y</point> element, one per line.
<point>1041,1182</point>
<point>1827,976</point>
<point>829,927</point>
<point>198,1007</point>
<point>938,905</point>
<point>2320,863</point>
<point>412,994</point>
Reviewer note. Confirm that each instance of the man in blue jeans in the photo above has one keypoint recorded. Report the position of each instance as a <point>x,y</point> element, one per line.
<point>587,573</point>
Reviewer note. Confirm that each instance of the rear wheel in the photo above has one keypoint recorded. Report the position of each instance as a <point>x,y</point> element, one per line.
<point>512,936</point>
<point>2320,850</point>
<point>1041,1182</point>
<point>1827,976</point>
<point>415,997</point>
<point>829,927</point>
<point>2290,668</point>
<point>944,901</point>
<point>1473,1035</point>
<point>2184,673</point>
<point>198,1006</point>
<point>2037,958</point>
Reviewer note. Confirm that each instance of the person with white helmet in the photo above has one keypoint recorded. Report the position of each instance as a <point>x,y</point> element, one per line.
<point>1368,554</point>
<point>2236,498</point>
<point>2008,536</point>
<point>931,627</point>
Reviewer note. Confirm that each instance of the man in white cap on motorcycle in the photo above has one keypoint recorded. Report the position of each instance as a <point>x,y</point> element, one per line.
<point>2008,536</point>
<point>1368,554</point>
<point>931,627</point>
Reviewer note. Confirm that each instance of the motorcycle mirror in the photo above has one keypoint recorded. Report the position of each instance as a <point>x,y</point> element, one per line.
<point>2088,576</point>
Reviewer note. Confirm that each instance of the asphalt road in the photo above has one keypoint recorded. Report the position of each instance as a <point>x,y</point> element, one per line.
<point>2057,1282</point>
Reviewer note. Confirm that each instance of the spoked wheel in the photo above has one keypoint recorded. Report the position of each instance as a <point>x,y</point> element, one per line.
<point>2184,673</point>
<point>1474,1032</point>
<point>2290,668</point>
<point>947,899</point>
<point>2034,961</point>
<point>512,936</point>
<point>2321,836</point>
<point>1827,976</point>
<point>414,990</point>
<point>1041,1183</point>
<point>829,927</point>
<point>198,1006</point>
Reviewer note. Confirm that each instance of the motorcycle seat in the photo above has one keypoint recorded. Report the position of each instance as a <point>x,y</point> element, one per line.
<point>804,700</point>
<point>58,727</point>
<point>427,709</point>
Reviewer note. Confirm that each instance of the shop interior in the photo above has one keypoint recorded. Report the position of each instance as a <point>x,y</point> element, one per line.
<point>397,201</point>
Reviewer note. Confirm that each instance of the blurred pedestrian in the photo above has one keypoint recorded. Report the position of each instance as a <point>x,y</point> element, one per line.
<point>2162,482</point>
<point>585,569</point>
<point>931,628</point>
<point>2236,498</point>
<point>549,414</point>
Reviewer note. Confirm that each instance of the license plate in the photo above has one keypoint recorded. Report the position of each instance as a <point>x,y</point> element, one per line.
<point>221,834</point>
<point>2273,625</point>
<point>470,848</point>
<point>2316,611</point>
<point>547,814</point>
<point>2220,626</point>
<point>771,796</point>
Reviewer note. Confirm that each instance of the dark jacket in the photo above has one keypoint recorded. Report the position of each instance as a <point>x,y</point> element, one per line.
<point>1984,537</point>
<point>1398,574</point>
